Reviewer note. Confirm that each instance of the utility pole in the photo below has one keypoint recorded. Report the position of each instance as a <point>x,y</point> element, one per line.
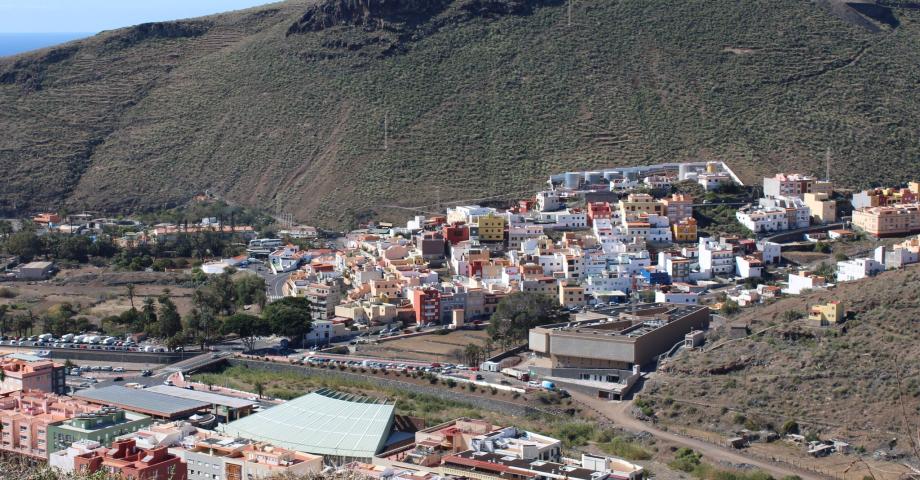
<point>827,166</point>
<point>386,126</point>
<point>570,12</point>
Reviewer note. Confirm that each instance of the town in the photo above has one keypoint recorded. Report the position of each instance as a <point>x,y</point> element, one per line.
<point>244,345</point>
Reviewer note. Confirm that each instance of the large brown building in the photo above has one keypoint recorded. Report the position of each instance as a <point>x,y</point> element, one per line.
<point>619,338</point>
<point>890,221</point>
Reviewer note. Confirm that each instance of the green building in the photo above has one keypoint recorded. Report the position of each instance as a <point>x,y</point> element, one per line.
<point>102,426</point>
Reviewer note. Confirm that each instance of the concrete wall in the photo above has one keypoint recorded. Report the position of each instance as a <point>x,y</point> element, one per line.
<point>112,356</point>
<point>662,339</point>
<point>501,406</point>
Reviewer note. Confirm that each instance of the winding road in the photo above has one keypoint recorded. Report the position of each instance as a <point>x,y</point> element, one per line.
<point>619,414</point>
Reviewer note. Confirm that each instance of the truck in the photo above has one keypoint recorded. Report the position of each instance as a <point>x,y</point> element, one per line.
<point>518,374</point>
<point>109,341</point>
<point>67,338</point>
<point>548,385</point>
<point>45,337</point>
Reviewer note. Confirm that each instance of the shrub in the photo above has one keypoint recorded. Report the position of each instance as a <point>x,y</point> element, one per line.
<point>620,447</point>
<point>686,460</point>
<point>789,426</point>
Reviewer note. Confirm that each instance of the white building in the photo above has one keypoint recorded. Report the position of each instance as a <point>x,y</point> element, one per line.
<point>63,460</point>
<point>715,258</point>
<point>714,181</point>
<point>548,201</point>
<point>770,252</point>
<point>799,282</point>
<point>798,214</point>
<point>748,266</point>
<point>467,213</point>
<point>857,269</point>
<point>763,220</point>
<point>687,298</point>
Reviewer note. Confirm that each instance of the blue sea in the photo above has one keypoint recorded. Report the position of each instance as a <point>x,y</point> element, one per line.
<point>13,43</point>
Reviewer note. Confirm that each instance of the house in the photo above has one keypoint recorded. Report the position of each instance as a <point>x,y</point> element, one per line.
<point>491,228</point>
<point>858,268</point>
<point>799,282</point>
<point>830,313</point>
<point>571,295</point>
<point>715,257</point>
<point>666,295</point>
<point>678,207</point>
<point>763,220</point>
<point>36,271</point>
<point>714,181</point>
<point>748,266</point>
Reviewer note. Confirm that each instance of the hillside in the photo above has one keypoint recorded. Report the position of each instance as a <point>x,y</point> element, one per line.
<point>284,106</point>
<point>838,382</point>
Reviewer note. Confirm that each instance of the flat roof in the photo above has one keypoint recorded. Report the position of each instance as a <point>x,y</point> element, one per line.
<point>323,422</point>
<point>38,265</point>
<point>142,401</point>
<point>201,396</point>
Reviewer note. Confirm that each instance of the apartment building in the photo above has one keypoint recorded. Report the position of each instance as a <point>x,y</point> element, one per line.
<point>821,206</point>
<point>26,416</point>
<point>684,230</point>
<point>636,204</point>
<point>128,461</point>
<point>678,207</point>
<point>763,220</point>
<point>881,197</point>
<point>517,235</point>
<point>715,258</point>
<point>889,221</point>
<point>598,210</point>
<point>102,426</point>
<point>798,215</point>
<point>371,312</point>
<point>491,228</point>
<point>29,372</point>
<point>794,185</point>
<point>212,457</point>
<point>571,295</point>
<point>426,303</point>
<point>548,201</point>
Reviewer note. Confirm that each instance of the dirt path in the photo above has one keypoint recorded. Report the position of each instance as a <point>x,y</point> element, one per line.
<point>619,414</point>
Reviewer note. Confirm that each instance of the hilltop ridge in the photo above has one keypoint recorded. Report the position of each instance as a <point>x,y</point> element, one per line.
<point>284,106</point>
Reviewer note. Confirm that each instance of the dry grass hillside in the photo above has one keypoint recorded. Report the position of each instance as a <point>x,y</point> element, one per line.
<point>859,380</point>
<point>284,106</point>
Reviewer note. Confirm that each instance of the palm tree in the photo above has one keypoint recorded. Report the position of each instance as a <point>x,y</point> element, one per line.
<point>259,388</point>
<point>131,288</point>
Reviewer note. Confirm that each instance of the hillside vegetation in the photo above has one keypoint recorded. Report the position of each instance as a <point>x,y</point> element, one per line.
<point>290,106</point>
<point>858,381</point>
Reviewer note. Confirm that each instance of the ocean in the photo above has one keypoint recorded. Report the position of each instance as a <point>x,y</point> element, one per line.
<point>13,43</point>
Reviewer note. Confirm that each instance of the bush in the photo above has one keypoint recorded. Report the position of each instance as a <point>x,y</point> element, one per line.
<point>8,293</point>
<point>789,426</point>
<point>686,460</point>
<point>574,434</point>
<point>620,447</point>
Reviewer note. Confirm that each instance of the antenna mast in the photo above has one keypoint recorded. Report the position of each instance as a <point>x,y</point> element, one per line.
<point>827,166</point>
<point>386,126</point>
<point>570,12</point>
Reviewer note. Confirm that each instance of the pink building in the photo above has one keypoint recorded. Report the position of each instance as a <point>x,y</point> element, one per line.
<point>28,372</point>
<point>25,416</point>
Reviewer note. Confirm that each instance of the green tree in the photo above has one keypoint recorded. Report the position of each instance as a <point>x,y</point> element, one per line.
<point>250,290</point>
<point>170,323</point>
<point>729,307</point>
<point>517,313</point>
<point>247,327</point>
<point>25,244</point>
<point>3,319</point>
<point>290,317</point>
<point>149,314</point>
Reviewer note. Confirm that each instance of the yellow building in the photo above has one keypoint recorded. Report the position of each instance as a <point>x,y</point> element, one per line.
<point>636,204</point>
<point>685,230</point>
<point>821,206</point>
<point>491,228</point>
<point>831,313</point>
<point>571,295</point>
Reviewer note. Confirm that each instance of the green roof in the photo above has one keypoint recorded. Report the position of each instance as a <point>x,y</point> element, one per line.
<point>324,422</point>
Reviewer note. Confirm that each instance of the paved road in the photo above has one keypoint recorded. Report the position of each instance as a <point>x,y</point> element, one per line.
<point>273,283</point>
<point>619,414</point>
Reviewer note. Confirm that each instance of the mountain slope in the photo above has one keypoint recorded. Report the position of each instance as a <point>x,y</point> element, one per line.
<point>285,106</point>
<point>857,381</point>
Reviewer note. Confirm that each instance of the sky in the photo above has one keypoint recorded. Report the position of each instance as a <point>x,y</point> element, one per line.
<point>93,16</point>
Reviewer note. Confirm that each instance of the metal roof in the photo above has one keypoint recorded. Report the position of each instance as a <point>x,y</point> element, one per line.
<point>201,396</point>
<point>142,401</point>
<point>323,422</point>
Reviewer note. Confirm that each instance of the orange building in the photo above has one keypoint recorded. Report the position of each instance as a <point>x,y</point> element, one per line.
<point>685,230</point>
<point>28,372</point>
<point>598,210</point>
<point>25,416</point>
<point>128,461</point>
<point>46,218</point>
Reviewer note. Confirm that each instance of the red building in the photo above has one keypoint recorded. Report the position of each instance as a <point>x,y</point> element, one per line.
<point>456,233</point>
<point>426,302</point>
<point>127,461</point>
<point>598,210</point>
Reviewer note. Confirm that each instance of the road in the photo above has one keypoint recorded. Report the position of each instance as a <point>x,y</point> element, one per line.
<point>273,283</point>
<point>618,413</point>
